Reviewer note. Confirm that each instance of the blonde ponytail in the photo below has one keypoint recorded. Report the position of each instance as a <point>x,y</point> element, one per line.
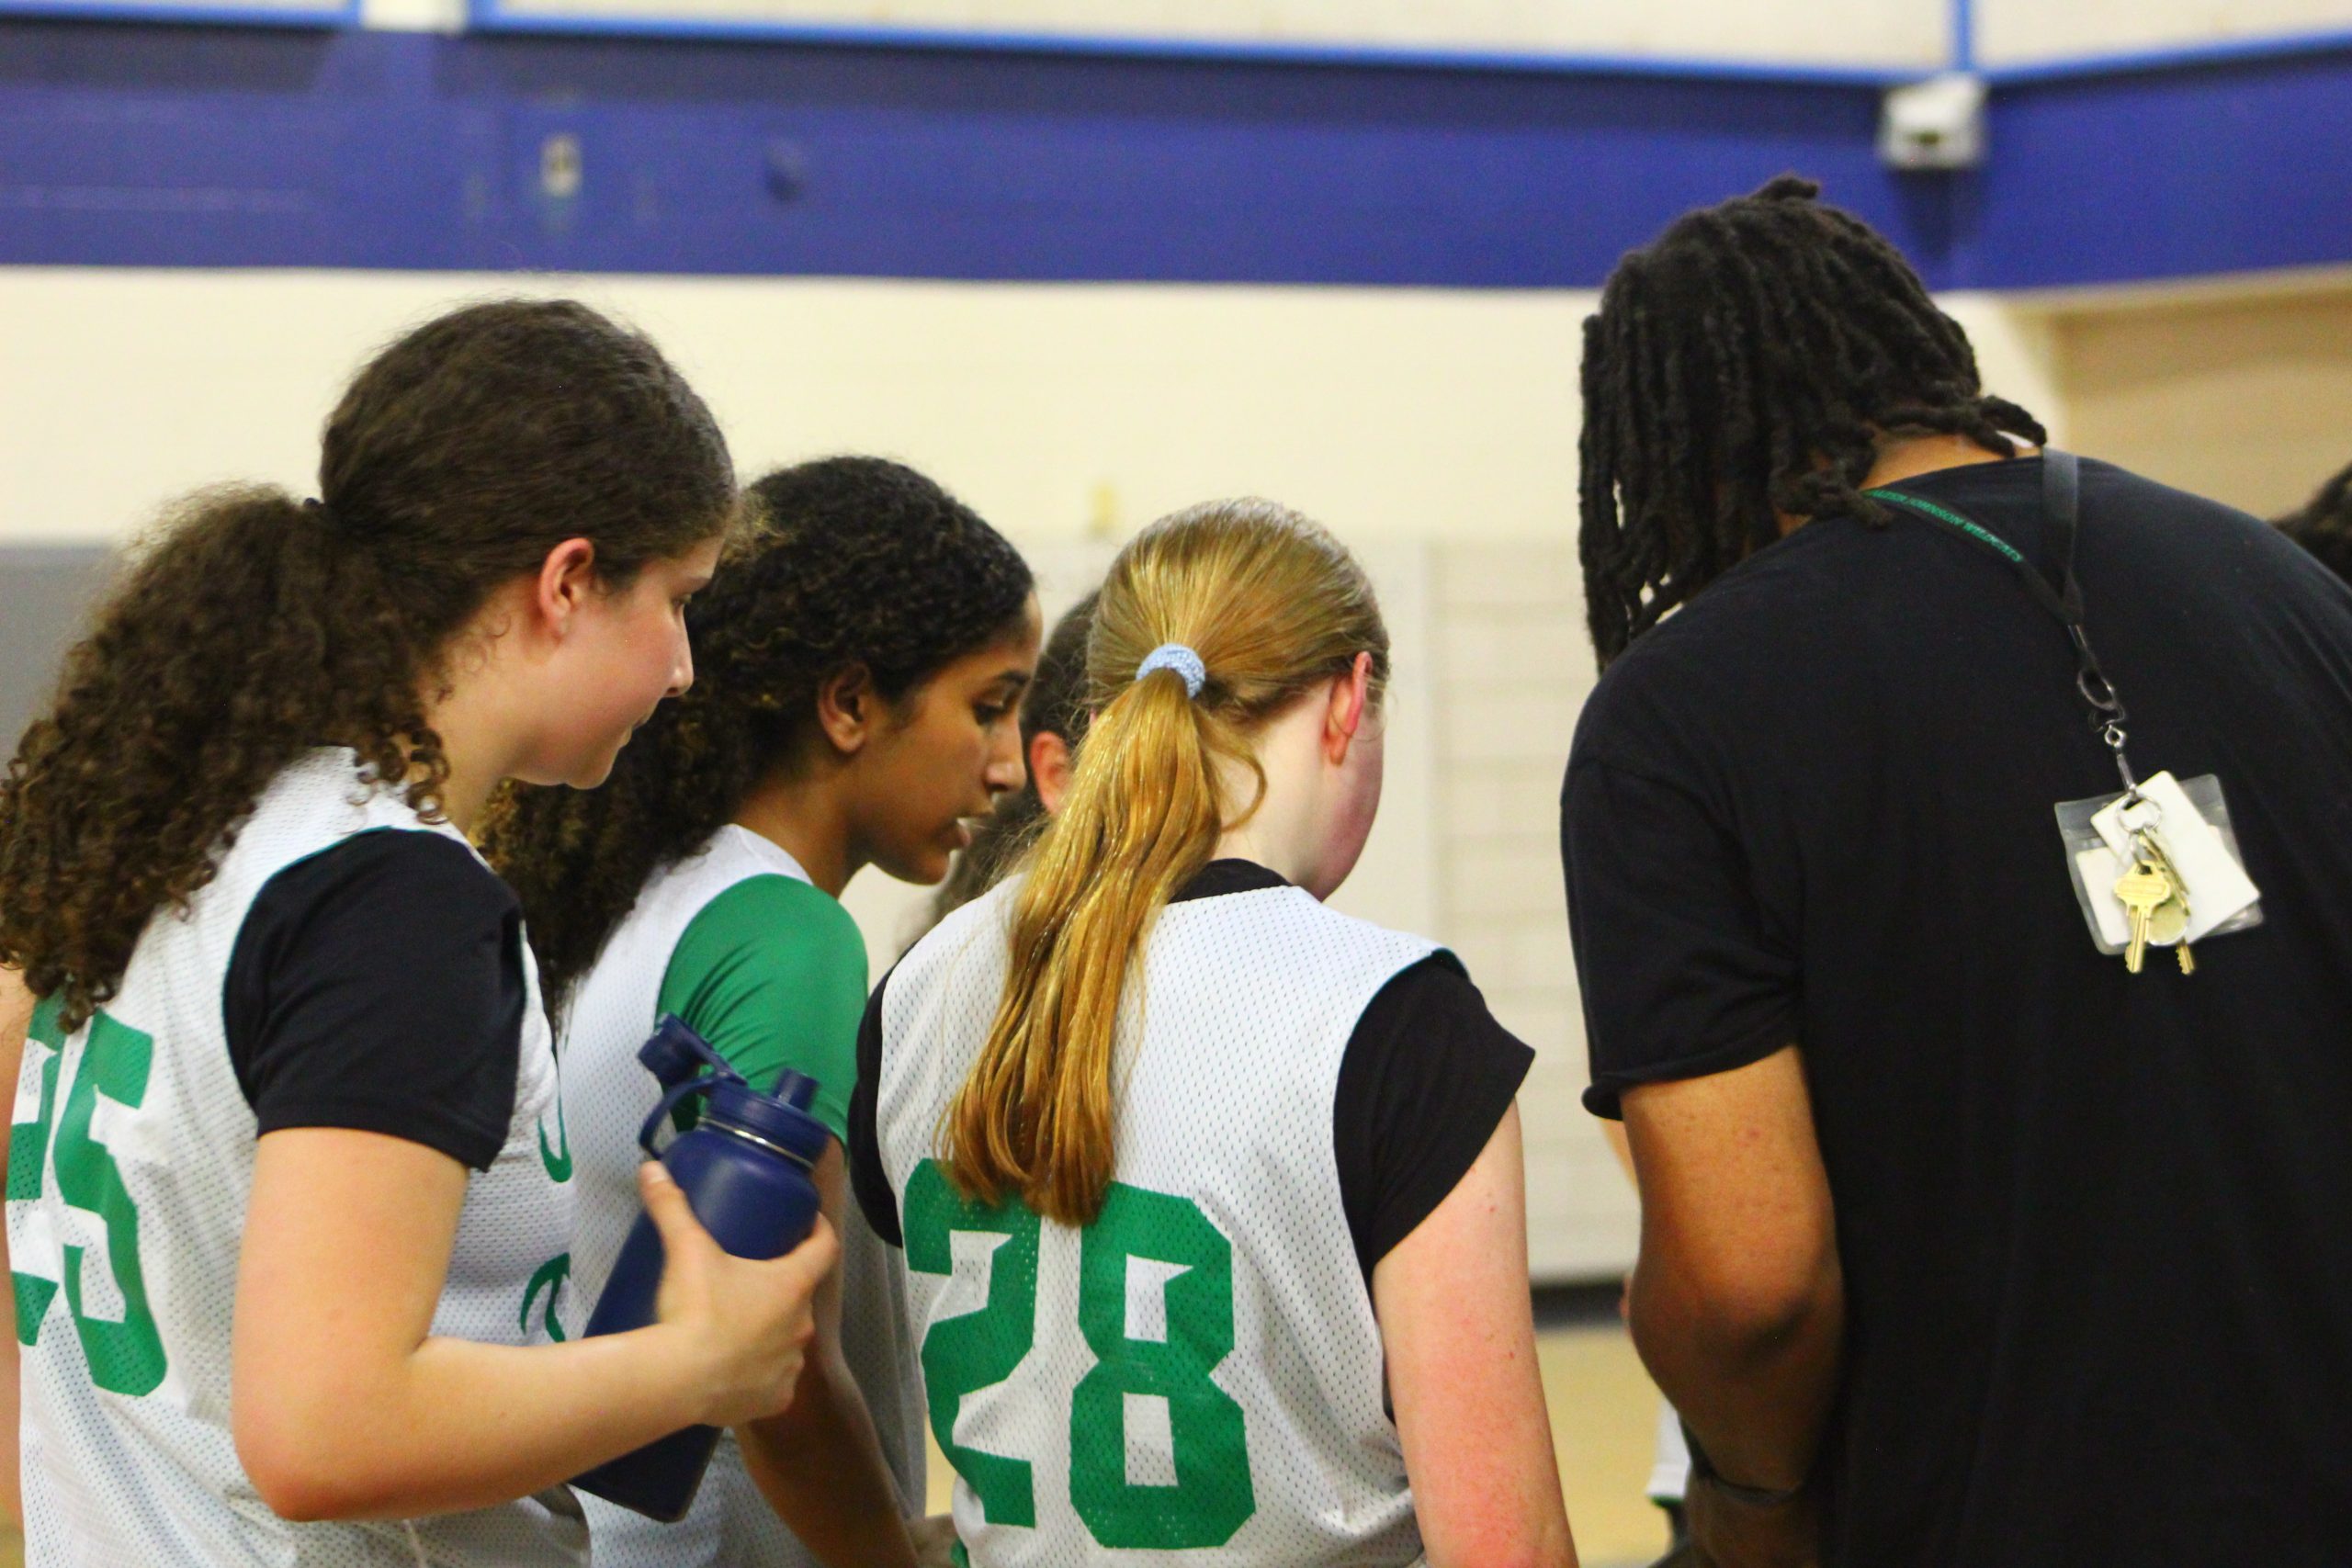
<point>1273,607</point>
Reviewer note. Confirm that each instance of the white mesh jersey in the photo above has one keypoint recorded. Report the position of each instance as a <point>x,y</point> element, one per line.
<point>131,1164</point>
<point>1670,1475</point>
<point>609,1093</point>
<point>1196,1377</point>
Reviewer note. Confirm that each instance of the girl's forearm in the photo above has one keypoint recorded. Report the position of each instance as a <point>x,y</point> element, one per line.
<point>460,1425</point>
<point>819,1465</point>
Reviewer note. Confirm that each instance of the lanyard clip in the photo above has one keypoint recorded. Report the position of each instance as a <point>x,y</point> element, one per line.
<point>2107,708</point>
<point>2113,733</point>
<point>2093,685</point>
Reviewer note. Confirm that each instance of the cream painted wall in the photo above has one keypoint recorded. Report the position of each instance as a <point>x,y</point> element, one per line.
<point>1062,411</point>
<point>1863,33</point>
<point>1796,32</point>
<point>2014,32</point>
<point>2240,392</point>
<point>2016,354</point>
<point>1057,409</point>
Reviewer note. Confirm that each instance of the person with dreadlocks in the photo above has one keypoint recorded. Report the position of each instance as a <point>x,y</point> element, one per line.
<point>1962,1244</point>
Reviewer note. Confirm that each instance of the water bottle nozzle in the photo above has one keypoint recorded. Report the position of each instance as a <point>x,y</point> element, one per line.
<point>796,1089</point>
<point>676,1054</point>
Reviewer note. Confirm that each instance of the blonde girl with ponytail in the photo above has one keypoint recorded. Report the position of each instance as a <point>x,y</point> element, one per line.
<point>1211,1196</point>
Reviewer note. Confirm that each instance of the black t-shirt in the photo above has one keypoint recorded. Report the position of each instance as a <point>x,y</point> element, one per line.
<point>2096,1228</point>
<point>1427,1075</point>
<point>377,985</point>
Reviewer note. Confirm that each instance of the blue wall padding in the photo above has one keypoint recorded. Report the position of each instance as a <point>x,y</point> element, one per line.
<point>193,146</point>
<point>207,146</point>
<point>2227,166</point>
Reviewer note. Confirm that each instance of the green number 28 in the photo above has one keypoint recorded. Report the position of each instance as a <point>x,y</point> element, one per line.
<point>1212,1495</point>
<point>126,1356</point>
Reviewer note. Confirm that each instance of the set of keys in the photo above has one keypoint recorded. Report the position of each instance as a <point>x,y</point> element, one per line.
<point>2157,900</point>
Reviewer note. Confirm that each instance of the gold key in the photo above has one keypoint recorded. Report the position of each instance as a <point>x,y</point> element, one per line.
<point>2168,922</point>
<point>2141,890</point>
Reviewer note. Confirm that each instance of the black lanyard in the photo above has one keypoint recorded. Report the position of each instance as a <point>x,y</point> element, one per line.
<point>2060,519</point>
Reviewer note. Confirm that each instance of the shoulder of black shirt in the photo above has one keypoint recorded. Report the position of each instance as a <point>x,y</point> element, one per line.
<point>377,985</point>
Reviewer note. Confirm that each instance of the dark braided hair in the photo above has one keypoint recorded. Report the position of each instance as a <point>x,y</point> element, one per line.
<point>1746,365</point>
<point>1055,703</point>
<point>2324,525</point>
<point>253,626</point>
<point>854,563</point>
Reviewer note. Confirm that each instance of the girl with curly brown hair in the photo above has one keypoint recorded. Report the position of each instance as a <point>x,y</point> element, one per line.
<point>289,1190</point>
<point>861,662</point>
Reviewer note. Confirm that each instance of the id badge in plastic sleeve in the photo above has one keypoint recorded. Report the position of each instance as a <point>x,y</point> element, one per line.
<point>2193,822</point>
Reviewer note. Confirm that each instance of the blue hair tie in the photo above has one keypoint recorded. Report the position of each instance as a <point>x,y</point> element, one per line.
<point>1184,660</point>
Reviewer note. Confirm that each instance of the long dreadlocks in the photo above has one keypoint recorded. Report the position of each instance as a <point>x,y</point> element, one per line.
<point>1745,365</point>
<point>2324,525</point>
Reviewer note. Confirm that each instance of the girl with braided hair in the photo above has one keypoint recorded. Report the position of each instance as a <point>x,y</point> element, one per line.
<point>1954,1227</point>
<point>861,659</point>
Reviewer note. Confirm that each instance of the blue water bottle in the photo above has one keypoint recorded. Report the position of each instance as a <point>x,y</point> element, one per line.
<point>744,1167</point>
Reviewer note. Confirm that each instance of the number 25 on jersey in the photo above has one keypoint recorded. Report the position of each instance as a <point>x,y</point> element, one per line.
<point>125,1355</point>
<point>1211,1496</point>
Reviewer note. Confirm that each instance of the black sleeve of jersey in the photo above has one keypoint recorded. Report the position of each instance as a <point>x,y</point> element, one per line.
<point>1425,1080</point>
<point>379,985</point>
<point>866,1177</point>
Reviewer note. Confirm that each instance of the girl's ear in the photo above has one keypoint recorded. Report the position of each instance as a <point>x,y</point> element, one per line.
<point>1351,695</point>
<point>566,577</point>
<point>1050,764</point>
<point>848,709</point>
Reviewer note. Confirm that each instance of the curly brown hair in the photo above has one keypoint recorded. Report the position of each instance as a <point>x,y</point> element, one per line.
<point>253,628</point>
<point>853,562</point>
